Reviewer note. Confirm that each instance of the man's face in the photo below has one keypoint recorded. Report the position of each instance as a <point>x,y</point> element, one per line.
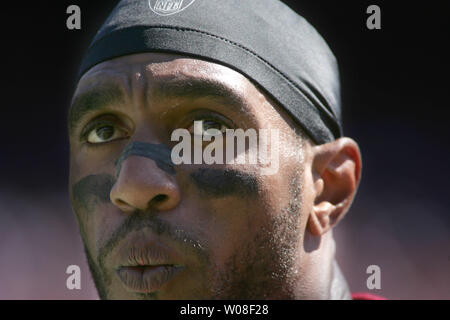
<point>203,231</point>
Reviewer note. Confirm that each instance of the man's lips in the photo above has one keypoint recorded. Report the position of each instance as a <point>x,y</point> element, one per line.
<point>144,265</point>
<point>145,279</point>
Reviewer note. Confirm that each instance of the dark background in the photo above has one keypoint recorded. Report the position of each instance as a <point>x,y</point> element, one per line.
<point>395,100</point>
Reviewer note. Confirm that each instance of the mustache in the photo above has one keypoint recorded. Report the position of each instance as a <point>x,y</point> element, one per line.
<point>138,221</point>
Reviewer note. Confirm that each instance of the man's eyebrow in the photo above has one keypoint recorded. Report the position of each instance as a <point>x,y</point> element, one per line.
<point>100,97</point>
<point>94,99</point>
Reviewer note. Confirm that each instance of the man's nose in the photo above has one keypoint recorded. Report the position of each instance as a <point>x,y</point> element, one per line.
<point>142,185</point>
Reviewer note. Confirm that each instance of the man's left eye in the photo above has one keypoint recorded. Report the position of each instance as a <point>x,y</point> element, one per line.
<point>211,124</point>
<point>202,126</point>
<point>105,133</point>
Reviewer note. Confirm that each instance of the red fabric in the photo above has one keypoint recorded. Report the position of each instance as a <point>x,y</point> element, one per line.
<point>366,296</point>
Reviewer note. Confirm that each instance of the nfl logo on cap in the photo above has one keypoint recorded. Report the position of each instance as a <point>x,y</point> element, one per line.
<point>168,7</point>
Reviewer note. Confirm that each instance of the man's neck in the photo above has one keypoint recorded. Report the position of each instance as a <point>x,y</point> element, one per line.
<point>339,289</point>
<point>327,280</point>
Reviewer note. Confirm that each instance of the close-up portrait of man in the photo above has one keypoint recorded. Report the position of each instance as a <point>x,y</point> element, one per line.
<point>153,229</point>
<point>224,150</point>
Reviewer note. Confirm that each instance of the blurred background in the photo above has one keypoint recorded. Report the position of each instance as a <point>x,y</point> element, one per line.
<point>395,98</point>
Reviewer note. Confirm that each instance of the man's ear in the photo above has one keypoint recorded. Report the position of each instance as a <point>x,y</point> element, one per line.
<point>336,168</point>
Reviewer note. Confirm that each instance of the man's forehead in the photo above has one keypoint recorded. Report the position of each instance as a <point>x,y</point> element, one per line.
<point>160,68</point>
<point>159,77</point>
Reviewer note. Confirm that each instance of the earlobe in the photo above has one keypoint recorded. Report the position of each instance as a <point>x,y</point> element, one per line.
<point>336,172</point>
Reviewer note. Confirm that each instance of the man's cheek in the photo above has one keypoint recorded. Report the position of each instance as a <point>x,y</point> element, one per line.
<point>90,197</point>
<point>219,183</point>
<point>92,190</point>
<point>230,206</point>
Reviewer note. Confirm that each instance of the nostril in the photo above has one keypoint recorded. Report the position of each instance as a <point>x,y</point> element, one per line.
<point>159,198</point>
<point>120,202</point>
<point>123,205</point>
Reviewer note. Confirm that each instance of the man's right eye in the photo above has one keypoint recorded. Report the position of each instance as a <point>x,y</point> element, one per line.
<point>105,133</point>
